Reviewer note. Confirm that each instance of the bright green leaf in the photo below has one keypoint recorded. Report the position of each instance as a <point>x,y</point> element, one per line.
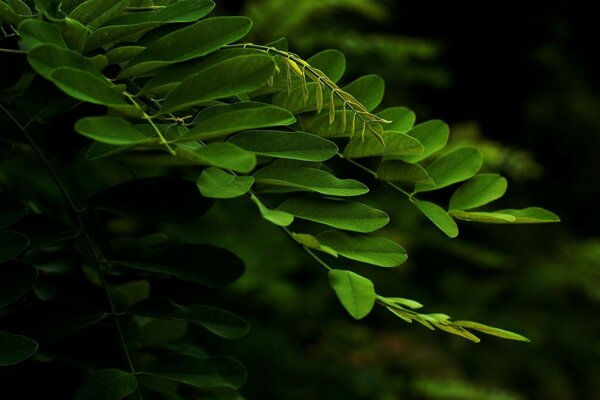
<point>433,135</point>
<point>199,263</point>
<point>369,249</point>
<point>15,348</point>
<point>398,170</point>
<point>12,244</point>
<point>220,322</point>
<point>111,130</point>
<point>220,371</point>
<point>276,217</point>
<point>331,62</point>
<point>490,330</point>
<point>222,120</point>
<point>290,179</point>
<point>455,166</point>
<point>16,278</point>
<point>483,216</point>
<point>478,191</point>
<point>402,119</point>
<point>355,292</point>
<point>346,215</point>
<point>531,215</point>
<point>216,183</point>
<point>222,155</point>
<point>311,242</point>
<point>438,216</point>
<point>293,145</point>
<point>368,90</point>
<point>396,143</point>
<point>107,384</point>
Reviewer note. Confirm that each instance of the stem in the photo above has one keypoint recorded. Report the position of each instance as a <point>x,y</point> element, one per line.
<point>94,250</point>
<point>12,51</point>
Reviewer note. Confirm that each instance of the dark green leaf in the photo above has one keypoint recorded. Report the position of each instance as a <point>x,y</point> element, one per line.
<point>43,231</point>
<point>490,330</point>
<point>8,15</point>
<point>122,54</point>
<point>331,62</point>
<point>433,135</point>
<point>402,119</point>
<point>112,130</point>
<point>108,384</point>
<point>478,191</point>
<point>11,210</point>
<point>16,278</point>
<point>351,216</point>
<point>220,322</point>
<point>222,120</point>
<point>46,58</point>
<point>192,262</point>
<point>74,33</point>
<point>34,32</point>
<point>288,179</point>
<point>129,293</point>
<point>369,249</point>
<point>293,145</point>
<point>229,78</point>
<point>321,125</point>
<point>222,155</point>
<point>12,244</point>
<point>187,43</point>
<point>15,348</point>
<point>438,216</point>
<point>220,371</point>
<point>216,183</point>
<point>455,166</point>
<point>356,293</point>
<point>398,170</point>
<point>396,143</point>
<point>6,149</point>
<point>157,198</point>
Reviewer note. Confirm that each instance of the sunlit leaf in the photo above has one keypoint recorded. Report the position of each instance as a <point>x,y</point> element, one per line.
<point>433,135</point>
<point>455,166</point>
<point>531,215</point>
<point>368,90</point>
<point>482,216</point>
<point>276,217</point>
<point>216,183</point>
<point>222,155</point>
<point>478,191</point>
<point>398,170</point>
<point>490,330</point>
<point>355,292</point>
<point>402,119</point>
<point>438,216</point>
<point>311,242</point>
<point>331,62</point>
<point>396,143</point>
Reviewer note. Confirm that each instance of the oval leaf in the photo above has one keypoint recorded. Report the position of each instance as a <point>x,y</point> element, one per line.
<point>111,130</point>
<point>398,170</point>
<point>369,249</point>
<point>356,293</point>
<point>402,119</point>
<point>192,262</point>
<point>11,210</point>
<point>483,216</point>
<point>433,135</point>
<point>199,372</point>
<point>478,191</point>
<point>368,90</point>
<point>158,198</point>
<point>438,216</point>
<point>331,62</point>
<point>455,166</point>
<point>16,278</point>
<point>292,145</point>
<point>396,143</point>
<point>15,348</point>
<point>216,183</point>
<point>220,322</point>
<point>222,155</point>
<point>346,215</point>
<point>108,384</point>
<point>289,179</point>
<point>276,217</point>
<point>224,119</point>
<point>531,215</point>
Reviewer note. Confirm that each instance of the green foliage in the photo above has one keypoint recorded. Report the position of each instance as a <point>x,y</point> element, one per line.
<point>155,112</point>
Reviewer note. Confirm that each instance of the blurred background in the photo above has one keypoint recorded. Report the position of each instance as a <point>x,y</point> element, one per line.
<point>519,81</point>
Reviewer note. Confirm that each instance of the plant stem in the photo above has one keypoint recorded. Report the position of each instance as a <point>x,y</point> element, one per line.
<point>12,51</point>
<point>94,250</point>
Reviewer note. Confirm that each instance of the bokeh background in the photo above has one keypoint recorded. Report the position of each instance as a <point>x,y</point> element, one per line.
<point>520,81</point>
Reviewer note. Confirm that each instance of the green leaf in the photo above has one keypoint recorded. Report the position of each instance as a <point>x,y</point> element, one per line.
<point>398,170</point>
<point>346,215</point>
<point>222,155</point>
<point>478,191</point>
<point>369,249</point>
<point>11,210</point>
<point>108,384</point>
<point>196,40</point>
<point>74,33</point>
<point>482,216</point>
<point>16,278</point>
<point>43,231</point>
<point>229,78</point>
<point>438,216</point>
<point>455,166</point>
<point>158,198</point>
<point>531,215</point>
<point>321,125</point>
<point>12,244</point>
<point>34,32</point>
<point>47,58</point>
<point>403,302</point>
<point>276,217</point>
<point>220,322</point>
<point>7,14</point>
<point>210,372</point>
<point>221,120</point>
<point>433,135</point>
<point>311,242</point>
<point>331,62</point>
<point>15,348</point>
<point>123,296</point>
<point>288,179</point>
<point>356,293</point>
<point>216,183</point>
<point>368,90</point>
<point>85,86</point>
<point>125,27</point>
<point>293,145</point>
<point>89,10</point>
<point>402,119</point>
<point>490,330</point>
<point>112,130</point>
<point>396,143</point>
<point>192,262</point>
<point>6,149</point>
<point>121,54</point>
